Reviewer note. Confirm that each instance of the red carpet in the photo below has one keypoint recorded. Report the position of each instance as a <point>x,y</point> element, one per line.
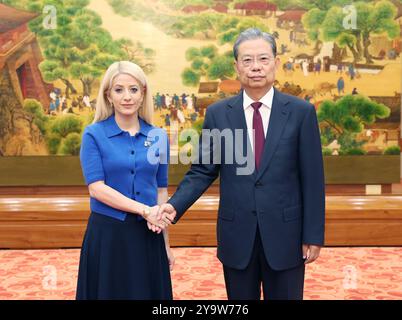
<point>340,273</point>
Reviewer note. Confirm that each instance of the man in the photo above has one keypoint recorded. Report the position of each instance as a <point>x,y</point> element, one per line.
<point>340,85</point>
<point>271,221</point>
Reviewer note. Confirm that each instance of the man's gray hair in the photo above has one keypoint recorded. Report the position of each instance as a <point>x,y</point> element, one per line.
<point>252,34</point>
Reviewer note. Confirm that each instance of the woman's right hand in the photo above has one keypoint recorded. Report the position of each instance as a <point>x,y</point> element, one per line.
<point>152,222</point>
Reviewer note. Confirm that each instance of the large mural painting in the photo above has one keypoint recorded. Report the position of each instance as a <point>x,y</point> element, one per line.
<point>341,55</point>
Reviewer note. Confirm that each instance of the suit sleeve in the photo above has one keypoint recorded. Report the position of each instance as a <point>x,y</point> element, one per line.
<point>312,180</point>
<point>200,176</point>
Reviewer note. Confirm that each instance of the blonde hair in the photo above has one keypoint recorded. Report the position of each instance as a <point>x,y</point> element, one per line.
<point>103,107</point>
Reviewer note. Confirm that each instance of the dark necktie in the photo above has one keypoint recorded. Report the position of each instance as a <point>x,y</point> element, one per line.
<point>259,138</point>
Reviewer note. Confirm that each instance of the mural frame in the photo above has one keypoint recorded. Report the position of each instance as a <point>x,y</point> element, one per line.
<point>46,170</point>
<point>23,36</point>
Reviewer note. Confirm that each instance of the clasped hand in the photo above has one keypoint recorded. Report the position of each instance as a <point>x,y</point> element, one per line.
<point>160,217</point>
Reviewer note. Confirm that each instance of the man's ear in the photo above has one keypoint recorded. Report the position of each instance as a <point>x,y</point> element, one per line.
<point>235,63</point>
<point>277,62</point>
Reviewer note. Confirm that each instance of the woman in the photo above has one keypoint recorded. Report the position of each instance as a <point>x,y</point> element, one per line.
<point>125,165</point>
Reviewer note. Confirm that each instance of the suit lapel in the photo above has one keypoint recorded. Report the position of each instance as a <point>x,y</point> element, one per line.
<point>278,118</point>
<point>237,119</point>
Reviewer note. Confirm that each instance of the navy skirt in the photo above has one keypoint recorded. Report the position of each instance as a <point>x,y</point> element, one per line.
<point>122,260</point>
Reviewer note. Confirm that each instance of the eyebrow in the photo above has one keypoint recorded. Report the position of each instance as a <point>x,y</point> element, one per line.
<point>120,85</point>
<point>259,55</point>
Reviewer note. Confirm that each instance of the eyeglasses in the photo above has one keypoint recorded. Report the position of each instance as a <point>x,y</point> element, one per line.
<point>247,61</point>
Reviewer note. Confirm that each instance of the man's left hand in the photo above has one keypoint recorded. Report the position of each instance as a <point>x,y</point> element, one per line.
<point>310,253</point>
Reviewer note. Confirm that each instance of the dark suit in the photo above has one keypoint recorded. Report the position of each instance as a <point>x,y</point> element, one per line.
<point>284,200</point>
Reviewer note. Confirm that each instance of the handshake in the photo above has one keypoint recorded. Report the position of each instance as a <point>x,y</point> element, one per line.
<point>160,217</point>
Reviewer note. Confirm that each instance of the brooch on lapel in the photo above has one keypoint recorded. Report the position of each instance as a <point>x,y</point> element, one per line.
<point>148,142</point>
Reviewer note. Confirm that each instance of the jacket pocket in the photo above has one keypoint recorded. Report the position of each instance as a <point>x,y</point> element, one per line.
<point>292,213</point>
<point>225,214</point>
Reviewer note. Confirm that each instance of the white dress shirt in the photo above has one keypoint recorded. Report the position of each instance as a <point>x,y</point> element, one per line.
<point>265,111</point>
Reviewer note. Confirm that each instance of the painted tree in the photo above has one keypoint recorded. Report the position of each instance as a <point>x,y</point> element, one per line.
<point>21,4</point>
<point>231,29</point>
<point>393,150</point>
<point>324,5</point>
<point>79,48</point>
<point>90,66</point>
<point>65,45</point>
<point>344,119</point>
<point>98,49</point>
<point>284,4</point>
<point>59,51</point>
<point>89,41</point>
<point>136,52</point>
<point>221,67</point>
<point>314,18</point>
<point>66,124</point>
<point>39,118</point>
<point>63,135</point>
<point>328,24</point>
<point>312,21</point>
<point>378,18</point>
<point>71,144</point>
<point>206,24</point>
<point>207,62</point>
<point>179,4</point>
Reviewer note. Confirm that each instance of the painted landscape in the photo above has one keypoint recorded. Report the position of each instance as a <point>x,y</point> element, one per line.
<point>342,56</point>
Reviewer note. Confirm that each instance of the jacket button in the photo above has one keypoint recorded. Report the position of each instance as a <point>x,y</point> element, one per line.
<point>254,213</point>
<point>132,152</point>
<point>258,184</point>
<point>137,193</point>
<point>132,171</point>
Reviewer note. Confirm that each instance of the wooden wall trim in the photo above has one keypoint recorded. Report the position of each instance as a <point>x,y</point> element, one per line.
<point>80,190</point>
<point>372,169</point>
<point>60,222</point>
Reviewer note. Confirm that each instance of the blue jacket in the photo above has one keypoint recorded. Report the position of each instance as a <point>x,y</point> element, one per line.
<point>136,166</point>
